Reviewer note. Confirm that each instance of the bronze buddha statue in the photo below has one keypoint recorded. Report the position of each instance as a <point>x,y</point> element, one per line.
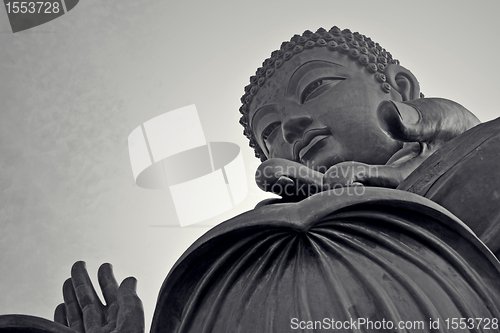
<point>330,111</point>
<point>331,97</point>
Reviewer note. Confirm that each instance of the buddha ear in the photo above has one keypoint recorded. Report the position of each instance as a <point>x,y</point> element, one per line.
<point>403,81</point>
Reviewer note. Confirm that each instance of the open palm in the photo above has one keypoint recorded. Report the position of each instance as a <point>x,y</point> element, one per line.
<point>83,312</point>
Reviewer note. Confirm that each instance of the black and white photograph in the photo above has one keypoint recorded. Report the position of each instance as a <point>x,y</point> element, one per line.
<point>249,166</point>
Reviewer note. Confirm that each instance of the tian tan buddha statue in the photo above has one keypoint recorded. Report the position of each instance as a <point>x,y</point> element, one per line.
<point>388,221</point>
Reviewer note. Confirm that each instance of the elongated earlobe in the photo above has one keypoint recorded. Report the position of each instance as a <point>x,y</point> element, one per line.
<point>403,81</point>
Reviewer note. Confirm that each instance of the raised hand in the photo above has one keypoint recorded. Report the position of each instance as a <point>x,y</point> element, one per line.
<point>83,312</point>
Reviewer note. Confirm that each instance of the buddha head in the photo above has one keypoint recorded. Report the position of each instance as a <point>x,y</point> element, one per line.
<point>315,100</point>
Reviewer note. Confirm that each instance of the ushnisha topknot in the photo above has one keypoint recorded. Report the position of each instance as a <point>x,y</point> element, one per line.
<point>358,47</point>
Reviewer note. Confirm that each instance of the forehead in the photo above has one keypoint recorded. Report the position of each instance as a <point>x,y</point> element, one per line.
<point>275,87</point>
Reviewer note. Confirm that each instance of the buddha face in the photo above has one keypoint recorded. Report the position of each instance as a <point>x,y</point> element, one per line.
<point>319,109</point>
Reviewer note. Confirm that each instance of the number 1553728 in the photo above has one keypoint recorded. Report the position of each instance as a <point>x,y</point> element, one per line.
<point>32,7</point>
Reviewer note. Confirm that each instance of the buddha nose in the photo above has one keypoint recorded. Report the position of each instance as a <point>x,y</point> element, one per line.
<point>294,127</point>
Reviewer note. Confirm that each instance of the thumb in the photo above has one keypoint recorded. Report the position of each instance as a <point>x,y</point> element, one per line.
<point>273,170</point>
<point>130,317</point>
<point>424,120</point>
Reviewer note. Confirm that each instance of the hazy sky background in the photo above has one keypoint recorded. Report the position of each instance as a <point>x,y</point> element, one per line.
<point>73,89</point>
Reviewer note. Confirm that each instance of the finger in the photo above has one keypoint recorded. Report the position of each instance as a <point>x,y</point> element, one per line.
<point>305,187</point>
<point>131,312</point>
<point>283,186</point>
<point>108,283</point>
<point>109,288</point>
<point>92,308</point>
<point>267,174</point>
<point>343,174</point>
<point>385,176</point>
<point>60,316</point>
<point>73,310</point>
<point>424,119</point>
<point>270,171</point>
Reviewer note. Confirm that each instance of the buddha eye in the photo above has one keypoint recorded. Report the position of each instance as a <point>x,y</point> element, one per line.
<point>269,131</point>
<point>316,88</point>
<point>266,133</point>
